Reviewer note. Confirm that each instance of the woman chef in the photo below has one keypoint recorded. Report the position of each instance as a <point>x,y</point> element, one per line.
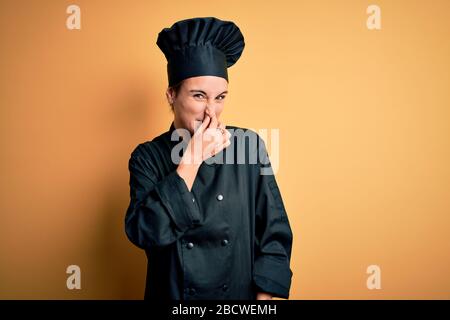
<point>210,229</point>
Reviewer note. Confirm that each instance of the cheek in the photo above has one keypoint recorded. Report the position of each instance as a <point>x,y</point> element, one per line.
<point>219,109</point>
<point>191,108</point>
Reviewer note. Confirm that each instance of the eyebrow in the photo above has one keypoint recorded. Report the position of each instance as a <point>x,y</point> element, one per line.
<point>201,91</point>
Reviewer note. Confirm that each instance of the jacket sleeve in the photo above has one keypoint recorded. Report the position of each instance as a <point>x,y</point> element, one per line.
<point>273,234</point>
<point>160,211</point>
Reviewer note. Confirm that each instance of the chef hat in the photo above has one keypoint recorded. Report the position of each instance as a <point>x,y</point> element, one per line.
<point>200,47</point>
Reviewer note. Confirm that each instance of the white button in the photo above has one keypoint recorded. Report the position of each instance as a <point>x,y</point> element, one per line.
<point>220,197</point>
<point>193,200</point>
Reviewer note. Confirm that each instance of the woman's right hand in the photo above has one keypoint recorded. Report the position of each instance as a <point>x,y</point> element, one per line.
<point>206,141</point>
<point>210,138</point>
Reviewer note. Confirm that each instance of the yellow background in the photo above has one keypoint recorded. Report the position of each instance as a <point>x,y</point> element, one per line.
<point>364,131</point>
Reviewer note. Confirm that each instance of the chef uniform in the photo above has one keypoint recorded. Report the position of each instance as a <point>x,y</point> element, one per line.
<point>229,237</point>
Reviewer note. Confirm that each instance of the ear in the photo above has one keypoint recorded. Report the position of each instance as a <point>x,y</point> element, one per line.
<point>170,94</point>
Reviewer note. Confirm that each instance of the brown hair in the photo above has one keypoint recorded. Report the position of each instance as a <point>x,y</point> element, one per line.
<point>176,88</point>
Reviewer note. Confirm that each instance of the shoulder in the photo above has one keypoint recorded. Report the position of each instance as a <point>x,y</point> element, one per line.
<point>149,148</point>
<point>241,132</point>
<point>247,143</point>
<point>244,133</point>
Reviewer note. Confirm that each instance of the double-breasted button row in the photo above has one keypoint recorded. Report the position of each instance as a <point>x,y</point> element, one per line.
<point>190,245</point>
<point>219,197</point>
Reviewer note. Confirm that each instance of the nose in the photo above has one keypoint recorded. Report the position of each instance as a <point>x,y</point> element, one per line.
<point>209,110</point>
